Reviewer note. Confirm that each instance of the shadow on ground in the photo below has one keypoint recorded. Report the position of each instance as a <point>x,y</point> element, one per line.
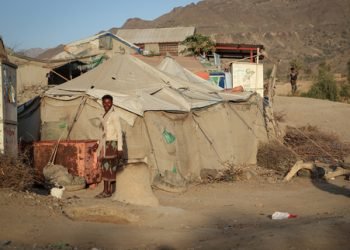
<point>330,187</point>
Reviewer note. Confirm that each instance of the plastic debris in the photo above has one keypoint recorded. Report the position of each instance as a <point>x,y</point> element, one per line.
<point>282,215</point>
<point>169,137</point>
<point>57,192</point>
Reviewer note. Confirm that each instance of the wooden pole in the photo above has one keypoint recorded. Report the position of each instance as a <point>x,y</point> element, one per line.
<point>59,75</point>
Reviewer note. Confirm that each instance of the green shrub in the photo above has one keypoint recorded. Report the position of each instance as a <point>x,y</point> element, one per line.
<point>344,92</point>
<point>198,44</point>
<point>324,86</point>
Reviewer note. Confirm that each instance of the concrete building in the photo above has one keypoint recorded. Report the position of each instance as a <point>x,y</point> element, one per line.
<point>158,41</point>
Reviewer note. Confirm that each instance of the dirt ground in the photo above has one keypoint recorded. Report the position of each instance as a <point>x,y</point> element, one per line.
<point>328,116</point>
<point>231,215</point>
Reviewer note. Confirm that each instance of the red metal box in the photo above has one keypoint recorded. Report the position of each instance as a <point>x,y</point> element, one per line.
<point>75,155</point>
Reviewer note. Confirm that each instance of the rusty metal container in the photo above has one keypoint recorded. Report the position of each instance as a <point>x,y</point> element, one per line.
<point>75,155</point>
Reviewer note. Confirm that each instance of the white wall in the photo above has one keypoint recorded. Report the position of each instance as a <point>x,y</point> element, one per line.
<point>248,75</point>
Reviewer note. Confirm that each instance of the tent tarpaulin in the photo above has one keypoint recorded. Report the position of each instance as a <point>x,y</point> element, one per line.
<point>207,131</point>
<point>170,66</point>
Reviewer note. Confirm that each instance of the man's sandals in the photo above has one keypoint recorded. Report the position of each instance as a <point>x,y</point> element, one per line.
<point>103,195</point>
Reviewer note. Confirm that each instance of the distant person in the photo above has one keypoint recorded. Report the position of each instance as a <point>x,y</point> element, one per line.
<point>110,147</point>
<point>293,79</point>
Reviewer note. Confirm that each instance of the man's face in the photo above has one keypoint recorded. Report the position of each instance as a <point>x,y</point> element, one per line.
<point>107,104</point>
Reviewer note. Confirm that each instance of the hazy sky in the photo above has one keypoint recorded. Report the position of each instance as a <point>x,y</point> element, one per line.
<point>47,23</point>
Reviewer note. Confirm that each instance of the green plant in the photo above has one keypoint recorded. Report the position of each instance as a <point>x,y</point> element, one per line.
<point>344,92</point>
<point>198,44</point>
<point>324,87</point>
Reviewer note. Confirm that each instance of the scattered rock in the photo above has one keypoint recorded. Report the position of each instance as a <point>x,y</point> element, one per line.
<point>5,242</point>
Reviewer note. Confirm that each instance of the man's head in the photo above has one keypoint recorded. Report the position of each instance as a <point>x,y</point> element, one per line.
<point>292,69</point>
<point>107,102</point>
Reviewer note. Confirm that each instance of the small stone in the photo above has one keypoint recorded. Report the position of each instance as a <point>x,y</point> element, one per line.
<point>248,175</point>
<point>271,180</point>
<point>5,242</point>
<point>259,205</point>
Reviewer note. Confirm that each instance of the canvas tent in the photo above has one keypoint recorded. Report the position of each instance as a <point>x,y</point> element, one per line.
<point>28,116</point>
<point>181,127</point>
<point>171,67</point>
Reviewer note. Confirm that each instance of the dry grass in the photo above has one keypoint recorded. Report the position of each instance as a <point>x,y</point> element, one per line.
<point>15,174</point>
<point>305,143</point>
<point>313,145</point>
<point>229,174</point>
<point>275,156</point>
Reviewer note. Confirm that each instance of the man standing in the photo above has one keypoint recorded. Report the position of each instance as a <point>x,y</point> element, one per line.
<point>293,79</point>
<point>110,146</point>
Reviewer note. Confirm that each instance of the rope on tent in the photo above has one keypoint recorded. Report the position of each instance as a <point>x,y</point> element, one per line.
<point>54,152</point>
<point>207,137</point>
<point>245,123</point>
<point>64,78</point>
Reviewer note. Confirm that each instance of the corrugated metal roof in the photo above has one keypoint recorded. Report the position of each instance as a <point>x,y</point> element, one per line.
<point>91,38</point>
<point>161,35</point>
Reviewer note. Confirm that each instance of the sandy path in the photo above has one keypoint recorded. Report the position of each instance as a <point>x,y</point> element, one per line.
<point>225,216</point>
<point>328,116</point>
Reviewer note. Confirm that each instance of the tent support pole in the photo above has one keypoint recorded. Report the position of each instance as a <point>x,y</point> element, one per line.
<point>80,108</point>
<point>59,75</point>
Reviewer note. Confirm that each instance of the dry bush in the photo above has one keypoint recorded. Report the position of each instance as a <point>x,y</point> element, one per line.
<point>276,156</point>
<point>229,174</point>
<point>313,145</point>
<point>15,174</point>
<point>305,143</point>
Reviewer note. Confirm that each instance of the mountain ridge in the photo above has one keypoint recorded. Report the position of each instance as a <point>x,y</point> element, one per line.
<point>311,30</point>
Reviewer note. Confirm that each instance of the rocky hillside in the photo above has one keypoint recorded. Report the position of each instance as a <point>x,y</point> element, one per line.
<point>311,31</point>
<point>34,52</point>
